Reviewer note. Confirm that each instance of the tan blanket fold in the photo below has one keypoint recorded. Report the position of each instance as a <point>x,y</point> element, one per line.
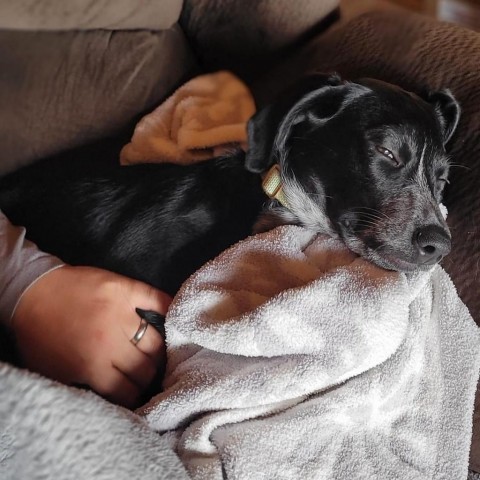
<point>203,119</point>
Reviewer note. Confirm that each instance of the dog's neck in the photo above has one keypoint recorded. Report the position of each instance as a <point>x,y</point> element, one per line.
<point>280,211</point>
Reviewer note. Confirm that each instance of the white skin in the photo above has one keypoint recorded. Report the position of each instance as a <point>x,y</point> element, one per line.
<point>74,325</point>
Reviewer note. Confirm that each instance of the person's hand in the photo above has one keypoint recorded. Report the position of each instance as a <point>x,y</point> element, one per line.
<point>75,325</point>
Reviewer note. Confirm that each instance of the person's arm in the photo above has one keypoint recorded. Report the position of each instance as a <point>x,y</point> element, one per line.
<point>21,264</point>
<point>78,325</point>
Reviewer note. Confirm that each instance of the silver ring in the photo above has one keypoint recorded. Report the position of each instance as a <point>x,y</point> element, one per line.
<point>142,328</point>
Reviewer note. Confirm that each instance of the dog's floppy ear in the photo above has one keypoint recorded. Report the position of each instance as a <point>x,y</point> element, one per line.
<point>263,126</point>
<point>447,110</point>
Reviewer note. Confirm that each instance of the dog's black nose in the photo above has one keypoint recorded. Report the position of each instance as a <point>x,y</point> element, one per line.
<point>433,243</point>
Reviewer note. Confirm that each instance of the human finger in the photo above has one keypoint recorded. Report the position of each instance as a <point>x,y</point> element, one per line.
<point>152,342</point>
<point>116,387</point>
<point>137,366</point>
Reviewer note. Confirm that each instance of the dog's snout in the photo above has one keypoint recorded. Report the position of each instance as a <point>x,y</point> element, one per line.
<point>432,243</point>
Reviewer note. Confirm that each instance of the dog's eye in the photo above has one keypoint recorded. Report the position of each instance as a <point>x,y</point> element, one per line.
<point>387,153</point>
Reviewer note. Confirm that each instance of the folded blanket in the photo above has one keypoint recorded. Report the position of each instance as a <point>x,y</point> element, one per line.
<point>291,358</point>
<point>204,118</point>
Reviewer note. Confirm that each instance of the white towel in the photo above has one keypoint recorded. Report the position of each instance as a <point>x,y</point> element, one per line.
<point>291,358</point>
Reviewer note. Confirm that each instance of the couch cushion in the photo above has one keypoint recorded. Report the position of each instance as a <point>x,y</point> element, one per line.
<point>59,90</point>
<point>85,14</point>
<point>246,37</point>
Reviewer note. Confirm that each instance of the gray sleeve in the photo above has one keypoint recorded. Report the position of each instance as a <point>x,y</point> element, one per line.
<point>21,264</point>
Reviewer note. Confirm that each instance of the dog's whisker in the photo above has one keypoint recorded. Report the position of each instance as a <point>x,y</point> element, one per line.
<point>372,229</point>
<point>371,217</point>
<point>458,165</point>
<point>369,211</point>
<point>372,220</point>
<point>377,221</point>
<point>317,194</point>
<point>374,210</point>
<point>314,194</point>
<point>381,246</point>
<point>375,226</point>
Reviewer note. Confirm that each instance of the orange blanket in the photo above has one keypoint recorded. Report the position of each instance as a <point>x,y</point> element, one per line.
<point>203,119</point>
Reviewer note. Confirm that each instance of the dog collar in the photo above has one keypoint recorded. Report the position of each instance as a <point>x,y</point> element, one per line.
<point>272,185</point>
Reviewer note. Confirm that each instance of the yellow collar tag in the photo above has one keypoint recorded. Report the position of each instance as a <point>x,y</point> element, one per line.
<point>272,185</point>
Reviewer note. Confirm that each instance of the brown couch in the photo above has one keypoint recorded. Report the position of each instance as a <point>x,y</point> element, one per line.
<point>70,76</point>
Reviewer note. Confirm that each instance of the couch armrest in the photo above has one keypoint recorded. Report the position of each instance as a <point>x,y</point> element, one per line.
<point>87,15</point>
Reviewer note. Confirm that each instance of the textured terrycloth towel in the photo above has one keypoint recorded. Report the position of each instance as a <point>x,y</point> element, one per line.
<point>203,119</point>
<point>290,358</point>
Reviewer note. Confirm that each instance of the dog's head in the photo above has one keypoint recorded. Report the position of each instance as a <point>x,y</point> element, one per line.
<point>364,160</point>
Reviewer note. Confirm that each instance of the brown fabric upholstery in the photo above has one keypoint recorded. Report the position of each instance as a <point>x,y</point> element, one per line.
<point>247,37</point>
<point>59,90</point>
<point>85,14</point>
<point>419,54</point>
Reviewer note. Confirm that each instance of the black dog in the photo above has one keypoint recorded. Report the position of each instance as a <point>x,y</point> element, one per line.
<point>363,160</point>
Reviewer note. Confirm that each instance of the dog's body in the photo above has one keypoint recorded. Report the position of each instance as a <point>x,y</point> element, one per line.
<point>152,222</point>
<point>364,161</point>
